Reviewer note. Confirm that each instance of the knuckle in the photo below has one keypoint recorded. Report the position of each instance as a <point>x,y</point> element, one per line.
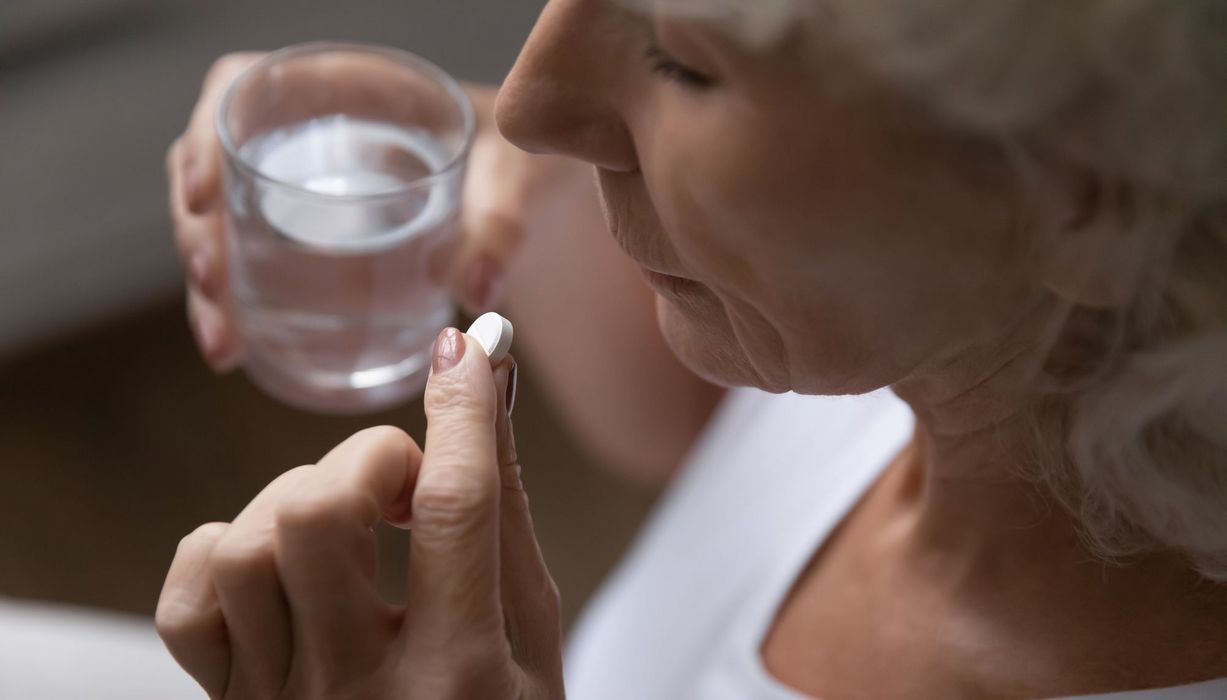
<point>544,599</point>
<point>235,559</point>
<point>190,235</point>
<point>387,440</point>
<point>311,510</point>
<point>293,479</point>
<point>513,485</point>
<point>226,64</point>
<point>450,394</point>
<point>473,672</point>
<point>202,538</point>
<point>175,619</point>
<point>449,503</point>
<point>171,618</point>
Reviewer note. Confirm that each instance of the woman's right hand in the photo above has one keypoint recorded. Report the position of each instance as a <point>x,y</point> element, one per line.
<point>504,189</point>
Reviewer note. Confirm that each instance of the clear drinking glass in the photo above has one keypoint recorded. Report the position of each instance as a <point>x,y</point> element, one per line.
<point>344,167</point>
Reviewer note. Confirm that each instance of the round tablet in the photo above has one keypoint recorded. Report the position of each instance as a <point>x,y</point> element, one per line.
<point>494,333</point>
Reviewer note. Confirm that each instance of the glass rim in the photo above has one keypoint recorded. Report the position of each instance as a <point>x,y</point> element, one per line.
<point>405,58</point>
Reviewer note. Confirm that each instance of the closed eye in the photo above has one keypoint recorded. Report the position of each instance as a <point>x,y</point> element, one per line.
<point>670,69</point>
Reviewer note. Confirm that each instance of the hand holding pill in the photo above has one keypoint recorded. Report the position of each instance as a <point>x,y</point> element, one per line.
<point>281,603</point>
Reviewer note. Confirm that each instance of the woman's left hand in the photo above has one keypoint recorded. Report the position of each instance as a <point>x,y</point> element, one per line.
<point>281,603</point>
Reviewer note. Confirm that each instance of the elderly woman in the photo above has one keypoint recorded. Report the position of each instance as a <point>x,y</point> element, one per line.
<point>1002,224</point>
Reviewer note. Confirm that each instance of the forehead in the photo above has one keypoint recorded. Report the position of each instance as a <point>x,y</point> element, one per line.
<point>752,21</point>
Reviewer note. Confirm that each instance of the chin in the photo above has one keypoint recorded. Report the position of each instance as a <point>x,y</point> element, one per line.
<point>699,333</point>
<point>705,343</point>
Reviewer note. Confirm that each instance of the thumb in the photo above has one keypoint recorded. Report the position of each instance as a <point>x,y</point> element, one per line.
<point>454,546</point>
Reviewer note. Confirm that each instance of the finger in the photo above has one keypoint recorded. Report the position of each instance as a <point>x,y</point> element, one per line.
<point>189,618</point>
<point>495,199</point>
<point>210,307</point>
<point>453,561</point>
<point>215,334</point>
<point>202,150</point>
<point>492,221</point>
<point>489,241</point>
<point>529,595</point>
<point>389,489</point>
<point>198,237</point>
<point>326,551</point>
<point>250,592</point>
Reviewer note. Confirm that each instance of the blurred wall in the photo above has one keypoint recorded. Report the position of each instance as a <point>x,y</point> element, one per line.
<point>93,91</point>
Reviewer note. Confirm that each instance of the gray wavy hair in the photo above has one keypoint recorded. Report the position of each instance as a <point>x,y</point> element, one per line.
<point>1135,93</point>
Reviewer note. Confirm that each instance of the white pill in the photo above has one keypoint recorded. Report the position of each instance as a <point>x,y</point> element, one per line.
<point>494,333</point>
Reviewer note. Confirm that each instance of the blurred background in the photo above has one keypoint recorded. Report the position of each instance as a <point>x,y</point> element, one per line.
<point>115,440</point>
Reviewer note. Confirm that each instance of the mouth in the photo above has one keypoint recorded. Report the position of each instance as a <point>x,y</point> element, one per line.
<point>671,285</point>
<point>619,215</point>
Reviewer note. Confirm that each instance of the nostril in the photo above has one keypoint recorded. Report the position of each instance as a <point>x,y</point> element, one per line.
<point>567,92</point>
<point>535,118</point>
<point>549,119</point>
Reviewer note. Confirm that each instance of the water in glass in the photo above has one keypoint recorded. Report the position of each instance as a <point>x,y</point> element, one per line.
<point>338,279</point>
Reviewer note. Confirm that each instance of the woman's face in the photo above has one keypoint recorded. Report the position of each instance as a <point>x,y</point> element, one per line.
<point>803,229</point>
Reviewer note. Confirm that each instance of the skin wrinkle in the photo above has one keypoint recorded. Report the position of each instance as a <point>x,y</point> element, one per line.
<point>769,335</point>
<point>774,354</point>
<point>847,240</point>
<point>935,400</point>
<point>659,250</point>
<point>843,238</point>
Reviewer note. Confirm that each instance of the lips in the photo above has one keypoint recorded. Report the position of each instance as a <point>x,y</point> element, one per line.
<point>668,284</point>
<point>623,216</point>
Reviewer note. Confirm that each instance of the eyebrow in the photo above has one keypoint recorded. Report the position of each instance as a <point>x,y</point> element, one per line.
<point>755,22</point>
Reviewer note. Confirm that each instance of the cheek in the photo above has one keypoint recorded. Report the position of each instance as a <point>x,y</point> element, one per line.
<point>720,331</point>
<point>705,195</point>
<point>753,204</point>
<point>841,260</point>
<point>740,218</point>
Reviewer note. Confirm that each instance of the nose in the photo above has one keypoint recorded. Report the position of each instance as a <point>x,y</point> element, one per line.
<point>564,94</point>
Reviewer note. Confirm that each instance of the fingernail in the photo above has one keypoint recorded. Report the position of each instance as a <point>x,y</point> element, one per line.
<point>481,281</point>
<point>511,387</point>
<point>449,348</point>
<point>198,270</point>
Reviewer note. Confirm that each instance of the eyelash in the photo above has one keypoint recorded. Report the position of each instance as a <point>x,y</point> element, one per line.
<point>668,68</point>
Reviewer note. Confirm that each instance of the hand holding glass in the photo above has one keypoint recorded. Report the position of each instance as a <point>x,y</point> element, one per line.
<point>344,168</point>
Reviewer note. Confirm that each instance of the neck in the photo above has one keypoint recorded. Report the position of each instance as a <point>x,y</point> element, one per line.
<point>967,518</point>
<point>969,508</point>
<point>967,487</point>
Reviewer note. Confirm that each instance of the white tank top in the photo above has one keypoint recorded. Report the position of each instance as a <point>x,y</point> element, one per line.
<point>685,614</point>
